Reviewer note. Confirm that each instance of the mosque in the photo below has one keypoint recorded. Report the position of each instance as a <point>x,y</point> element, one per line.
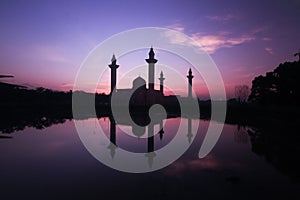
<point>143,95</point>
<point>140,94</point>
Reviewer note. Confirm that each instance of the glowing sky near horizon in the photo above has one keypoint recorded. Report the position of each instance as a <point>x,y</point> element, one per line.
<point>43,43</point>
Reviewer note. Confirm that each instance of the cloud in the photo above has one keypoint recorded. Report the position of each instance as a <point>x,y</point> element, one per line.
<point>266,39</point>
<point>67,85</point>
<point>207,42</point>
<point>211,43</point>
<point>269,50</point>
<point>177,27</point>
<point>207,163</point>
<point>222,18</point>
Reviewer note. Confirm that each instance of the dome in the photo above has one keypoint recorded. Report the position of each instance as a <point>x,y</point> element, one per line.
<point>138,131</point>
<point>138,82</point>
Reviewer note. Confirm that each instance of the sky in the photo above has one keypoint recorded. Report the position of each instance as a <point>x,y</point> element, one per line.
<point>44,43</point>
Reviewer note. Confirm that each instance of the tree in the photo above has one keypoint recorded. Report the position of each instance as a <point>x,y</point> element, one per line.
<point>297,54</point>
<point>241,93</point>
<point>281,86</point>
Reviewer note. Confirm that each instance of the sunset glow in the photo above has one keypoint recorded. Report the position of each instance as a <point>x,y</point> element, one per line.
<point>44,44</point>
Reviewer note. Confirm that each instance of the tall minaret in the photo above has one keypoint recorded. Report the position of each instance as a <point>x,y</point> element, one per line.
<point>190,84</point>
<point>113,76</point>
<point>161,85</point>
<point>151,61</point>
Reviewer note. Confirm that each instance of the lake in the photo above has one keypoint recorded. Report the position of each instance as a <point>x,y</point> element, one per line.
<point>52,162</point>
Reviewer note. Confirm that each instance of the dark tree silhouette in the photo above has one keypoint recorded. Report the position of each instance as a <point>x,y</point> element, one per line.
<point>282,86</point>
<point>241,93</point>
<point>298,54</point>
<point>6,76</point>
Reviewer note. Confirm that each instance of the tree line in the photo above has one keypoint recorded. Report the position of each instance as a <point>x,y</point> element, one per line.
<point>281,86</point>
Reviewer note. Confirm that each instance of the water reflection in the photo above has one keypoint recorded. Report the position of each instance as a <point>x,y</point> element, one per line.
<point>241,134</point>
<point>280,146</point>
<point>5,137</point>
<point>277,144</point>
<point>46,163</point>
<point>150,147</point>
<point>141,125</point>
<point>138,131</point>
<point>113,143</point>
<point>17,122</point>
<point>190,135</point>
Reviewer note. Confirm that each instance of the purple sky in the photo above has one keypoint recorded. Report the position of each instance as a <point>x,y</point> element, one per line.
<point>43,43</point>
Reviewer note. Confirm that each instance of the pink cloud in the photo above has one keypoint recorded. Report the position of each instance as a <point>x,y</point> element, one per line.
<point>211,43</point>
<point>177,27</point>
<point>207,42</point>
<point>269,50</point>
<point>209,162</point>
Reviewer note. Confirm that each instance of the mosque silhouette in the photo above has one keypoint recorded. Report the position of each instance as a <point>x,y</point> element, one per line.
<point>138,131</point>
<point>140,94</point>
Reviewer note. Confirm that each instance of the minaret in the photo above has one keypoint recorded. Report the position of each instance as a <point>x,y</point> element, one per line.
<point>190,84</point>
<point>161,79</point>
<point>151,62</point>
<point>113,77</point>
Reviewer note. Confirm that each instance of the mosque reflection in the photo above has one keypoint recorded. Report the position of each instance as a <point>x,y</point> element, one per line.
<point>140,125</point>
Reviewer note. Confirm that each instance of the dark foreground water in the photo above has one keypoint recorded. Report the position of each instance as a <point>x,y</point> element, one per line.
<point>52,163</point>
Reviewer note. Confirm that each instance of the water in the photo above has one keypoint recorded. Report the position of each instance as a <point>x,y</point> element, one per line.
<point>53,163</point>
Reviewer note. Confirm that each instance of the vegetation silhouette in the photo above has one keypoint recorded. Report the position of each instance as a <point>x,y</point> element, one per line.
<point>241,93</point>
<point>38,108</point>
<point>280,87</point>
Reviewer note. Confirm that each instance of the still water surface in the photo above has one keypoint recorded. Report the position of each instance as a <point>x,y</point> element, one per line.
<point>53,163</point>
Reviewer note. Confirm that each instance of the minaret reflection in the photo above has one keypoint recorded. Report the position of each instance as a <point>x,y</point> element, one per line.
<point>112,137</point>
<point>190,134</point>
<point>161,129</point>
<point>138,131</point>
<point>151,154</point>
